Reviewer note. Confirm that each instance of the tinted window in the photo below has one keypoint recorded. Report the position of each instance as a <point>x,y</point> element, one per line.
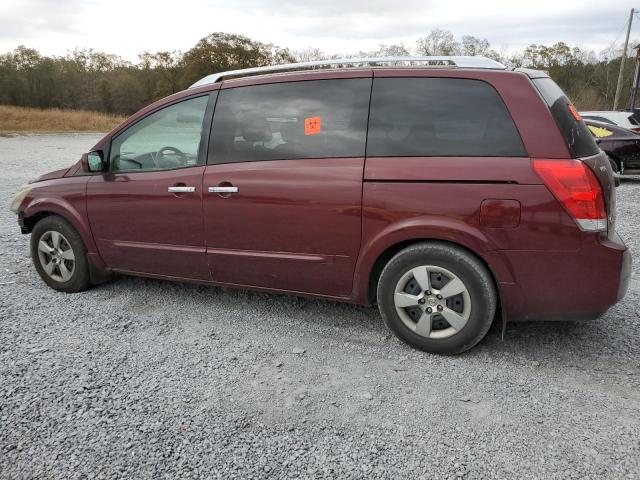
<point>439,117</point>
<point>309,119</point>
<point>579,139</point>
<point>166,139</point>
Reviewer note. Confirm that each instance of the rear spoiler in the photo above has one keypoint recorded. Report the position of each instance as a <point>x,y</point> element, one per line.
<point>531,73</point>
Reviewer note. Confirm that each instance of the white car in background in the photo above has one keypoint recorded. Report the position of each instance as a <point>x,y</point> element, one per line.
<point>622,119</point>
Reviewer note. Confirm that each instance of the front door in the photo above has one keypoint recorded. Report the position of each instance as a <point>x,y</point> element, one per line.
<point>146,211</point>
<point>283,188</point>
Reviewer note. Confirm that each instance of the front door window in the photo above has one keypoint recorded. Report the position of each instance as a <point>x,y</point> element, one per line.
<point>167,139</point>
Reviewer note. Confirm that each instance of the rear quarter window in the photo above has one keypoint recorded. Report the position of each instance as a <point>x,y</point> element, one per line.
<point>440,117</point>
<point>578,137</point>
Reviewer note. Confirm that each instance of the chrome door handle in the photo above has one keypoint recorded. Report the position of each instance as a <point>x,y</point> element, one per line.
<point>181,189</point>
<point>223,189</point>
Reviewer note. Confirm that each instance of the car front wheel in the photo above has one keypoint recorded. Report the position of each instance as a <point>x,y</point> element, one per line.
<point>437,297</point>
<point>59,255</point>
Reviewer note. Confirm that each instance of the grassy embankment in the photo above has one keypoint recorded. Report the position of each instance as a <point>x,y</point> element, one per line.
<point>33,120</point>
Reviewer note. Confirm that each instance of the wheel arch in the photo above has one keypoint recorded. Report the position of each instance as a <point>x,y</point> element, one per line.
<point>389,252</point>
<point>377,247</point>
<point>37,211</point>
<point>42,208</point>
<point>30,221</point>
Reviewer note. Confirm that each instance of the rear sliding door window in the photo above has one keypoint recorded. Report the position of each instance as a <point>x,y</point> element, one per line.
<point>292,120</point>
<point>575,132</point>
<point>422,117</point>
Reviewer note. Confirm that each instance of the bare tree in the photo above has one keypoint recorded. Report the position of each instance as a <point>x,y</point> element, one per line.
<point>474,46</point>
<point>311,53</point>
<point>393,50</point>
<point>438,42</point>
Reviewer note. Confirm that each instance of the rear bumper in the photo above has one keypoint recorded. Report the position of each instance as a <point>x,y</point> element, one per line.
<point>572,285</point>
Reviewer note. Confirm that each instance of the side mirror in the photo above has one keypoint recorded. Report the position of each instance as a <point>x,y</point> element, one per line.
<point>93,162</point>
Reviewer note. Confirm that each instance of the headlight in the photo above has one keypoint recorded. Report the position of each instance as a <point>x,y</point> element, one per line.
<point>19,197</point>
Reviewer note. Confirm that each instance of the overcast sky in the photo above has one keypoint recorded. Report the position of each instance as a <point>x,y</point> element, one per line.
<point>127,27</point>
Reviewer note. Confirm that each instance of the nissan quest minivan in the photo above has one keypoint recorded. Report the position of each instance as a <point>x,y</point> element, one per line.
<point>448,190</point>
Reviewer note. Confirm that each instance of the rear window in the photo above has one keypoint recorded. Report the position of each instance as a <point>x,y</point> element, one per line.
<point>578,137</point>
<point>444,117</point>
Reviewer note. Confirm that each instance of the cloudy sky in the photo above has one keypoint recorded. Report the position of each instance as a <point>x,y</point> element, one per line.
<point>127,27</point>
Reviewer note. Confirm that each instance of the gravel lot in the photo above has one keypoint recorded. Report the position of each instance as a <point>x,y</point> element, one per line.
<point>150,379</point>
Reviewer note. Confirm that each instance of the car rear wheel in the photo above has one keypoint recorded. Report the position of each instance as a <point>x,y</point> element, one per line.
<point>437,297</point>
<point>59,255</point>
<point>617,166</point>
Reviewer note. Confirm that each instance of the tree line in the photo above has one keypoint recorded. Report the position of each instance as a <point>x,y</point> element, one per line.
<point>90,80</point>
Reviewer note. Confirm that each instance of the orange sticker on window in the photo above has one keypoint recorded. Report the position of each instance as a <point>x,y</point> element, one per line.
<point>574,112</point>
<point>312,125</point>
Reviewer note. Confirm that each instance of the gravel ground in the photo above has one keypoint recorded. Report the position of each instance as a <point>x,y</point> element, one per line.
<point>150,379</point>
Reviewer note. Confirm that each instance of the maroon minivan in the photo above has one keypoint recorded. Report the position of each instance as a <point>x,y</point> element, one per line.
<point>447,195</point>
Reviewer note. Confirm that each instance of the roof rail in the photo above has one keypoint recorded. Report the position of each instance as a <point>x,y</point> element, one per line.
<point>438,61</point>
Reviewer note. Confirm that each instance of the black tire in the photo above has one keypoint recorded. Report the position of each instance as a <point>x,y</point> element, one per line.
<point>618,167</point>
<point>470,270</point>
<point>79,279</point>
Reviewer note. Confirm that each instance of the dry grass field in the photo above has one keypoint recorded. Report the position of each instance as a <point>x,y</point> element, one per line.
<point>33,120</point>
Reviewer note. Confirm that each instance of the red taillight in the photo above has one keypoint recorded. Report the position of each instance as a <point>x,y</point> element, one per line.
<point>574,184</point>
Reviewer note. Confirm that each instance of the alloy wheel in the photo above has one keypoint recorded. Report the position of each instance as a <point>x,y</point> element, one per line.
<point>56,256</point>
<point>432,301</point>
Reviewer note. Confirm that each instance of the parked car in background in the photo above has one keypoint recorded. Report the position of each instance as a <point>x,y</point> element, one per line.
<point>620,144</point>
<point>446,195</point>
<point>622,119</point>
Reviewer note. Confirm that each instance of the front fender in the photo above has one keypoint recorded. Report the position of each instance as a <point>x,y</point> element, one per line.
<point>66,200</point>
